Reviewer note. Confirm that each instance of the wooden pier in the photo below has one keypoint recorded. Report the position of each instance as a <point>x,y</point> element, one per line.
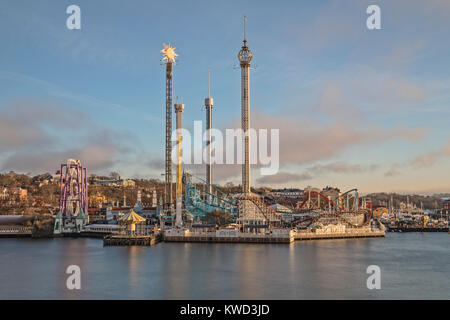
<point>418,229</point>
<point>347,235</point>
<point>214,239</point>
<point>128,240</point>
<point>15,231</point>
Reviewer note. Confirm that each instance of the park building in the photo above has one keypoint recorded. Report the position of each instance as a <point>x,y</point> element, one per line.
<point>115,182</point>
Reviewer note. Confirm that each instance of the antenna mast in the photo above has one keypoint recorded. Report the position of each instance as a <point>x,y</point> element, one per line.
<point>209,93</point>
<point>209,102</point>
<point>245,34</point>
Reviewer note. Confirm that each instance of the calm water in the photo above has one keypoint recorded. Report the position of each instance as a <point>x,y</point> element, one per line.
<point>413,266</point>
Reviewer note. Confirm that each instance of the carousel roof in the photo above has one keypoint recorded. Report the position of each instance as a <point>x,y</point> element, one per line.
<point>132,217</point>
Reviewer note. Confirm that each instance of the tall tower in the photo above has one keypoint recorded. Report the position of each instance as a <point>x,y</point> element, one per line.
<point>245,56</point>
<point>169,56</point>
<point>179,107</point>
<point>209,102</point>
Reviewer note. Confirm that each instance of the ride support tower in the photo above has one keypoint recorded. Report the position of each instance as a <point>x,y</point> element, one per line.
<point>169,56</point>
<point>245,57</point>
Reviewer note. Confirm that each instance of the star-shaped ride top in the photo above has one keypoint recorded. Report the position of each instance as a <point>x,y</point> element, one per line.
<point>169,54</point>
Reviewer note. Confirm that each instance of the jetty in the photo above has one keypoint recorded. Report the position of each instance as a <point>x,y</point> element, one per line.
<point>130,240</point>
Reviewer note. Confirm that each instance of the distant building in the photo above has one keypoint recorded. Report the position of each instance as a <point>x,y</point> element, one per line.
<point>44,179</point>
<point>446,205</point>
<point>280,208</point>
<point>96,200</point>
<point>287,193</point>
<point>15,194</point>
<point>151,214</point>
<point>444,212</point>
<point>331,192</point>
<point>115,183</point>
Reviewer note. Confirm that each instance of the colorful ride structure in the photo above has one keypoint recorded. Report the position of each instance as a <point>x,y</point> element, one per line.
<point>316,200</point>
<point>73,205</point>
<point>343,208</point>
<point>316,206</point>
<point>201,198</point>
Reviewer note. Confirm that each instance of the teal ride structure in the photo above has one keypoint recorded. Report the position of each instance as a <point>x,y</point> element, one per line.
<point>198,201</point>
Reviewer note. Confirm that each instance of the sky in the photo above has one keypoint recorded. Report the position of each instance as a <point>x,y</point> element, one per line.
<point>355,107</point>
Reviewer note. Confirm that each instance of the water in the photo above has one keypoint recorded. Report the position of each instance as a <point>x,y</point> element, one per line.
<point>413,266</point>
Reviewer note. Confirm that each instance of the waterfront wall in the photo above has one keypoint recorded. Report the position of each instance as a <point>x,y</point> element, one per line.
<point>10,231</point>
<point>355,233</point>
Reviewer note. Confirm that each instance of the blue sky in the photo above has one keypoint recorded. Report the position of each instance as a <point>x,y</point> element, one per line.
<point>355,107</point>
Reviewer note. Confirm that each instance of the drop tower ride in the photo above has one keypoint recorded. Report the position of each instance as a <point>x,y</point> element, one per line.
<point>245,56</point>
<point>169,56</point>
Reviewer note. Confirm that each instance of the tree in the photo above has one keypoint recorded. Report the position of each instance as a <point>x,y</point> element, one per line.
<point>218,217</point>
<point>114,175</point>
<point>229,184</point>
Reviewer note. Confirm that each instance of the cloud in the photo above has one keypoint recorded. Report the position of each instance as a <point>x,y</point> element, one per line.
<point>25,123</point>
<point>99,45</point>
<point>334,103</point>
<point>429,159</point>
<point>156,163</point>
<point>221,172</point>
<point>93,157</point>
<point>387,90</point>
<point>59,92</point>
<point>283,177</point>
<point>303,141</point>
<point>342,167</point>
<point>425,161</point>
<point>329,27</point>
<point>422,161</point>
<point>393,171</point>
<point>348,94</point>
<point>318,169</point>
<point>38,136</point>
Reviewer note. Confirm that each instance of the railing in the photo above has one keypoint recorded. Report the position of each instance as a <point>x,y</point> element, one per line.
<point>15,230</point>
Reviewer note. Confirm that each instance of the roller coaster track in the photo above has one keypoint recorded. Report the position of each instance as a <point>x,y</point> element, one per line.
<point>233,205</point>
<point>197,203</point>
<point>275,219</point>
<point>319,194</point>
<point>269,214</point>
<point>308,220</point>
<point>333,204</point>
<point>334,211</point>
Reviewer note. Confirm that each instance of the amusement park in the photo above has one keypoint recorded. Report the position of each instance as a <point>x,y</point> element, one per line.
<point>178,151</point>
<point>249,216</point>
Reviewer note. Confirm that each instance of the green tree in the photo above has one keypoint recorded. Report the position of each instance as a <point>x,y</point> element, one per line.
<point>218,217</point>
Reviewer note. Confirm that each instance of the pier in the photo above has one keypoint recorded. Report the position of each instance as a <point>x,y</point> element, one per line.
<point>418,229</point>
<point>268,238</point>
<point>347,235</point>
<point>128,240</point>
<point>239,239</point>
<point>15,231</point>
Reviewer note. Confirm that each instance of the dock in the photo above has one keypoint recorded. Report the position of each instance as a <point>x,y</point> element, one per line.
<point>227,235</point>
<point>127,240</point>
<point>14,231</point>
<point>418,229</point>
<point>240,239</point>
<point>347,235</point>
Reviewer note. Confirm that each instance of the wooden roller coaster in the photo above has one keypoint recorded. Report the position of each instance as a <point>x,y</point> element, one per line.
<point>314,208</point>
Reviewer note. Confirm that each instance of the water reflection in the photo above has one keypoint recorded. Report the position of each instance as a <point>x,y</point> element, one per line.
<point>35,269</point>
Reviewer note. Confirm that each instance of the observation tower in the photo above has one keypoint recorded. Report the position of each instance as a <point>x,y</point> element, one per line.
<point>245,57</point>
